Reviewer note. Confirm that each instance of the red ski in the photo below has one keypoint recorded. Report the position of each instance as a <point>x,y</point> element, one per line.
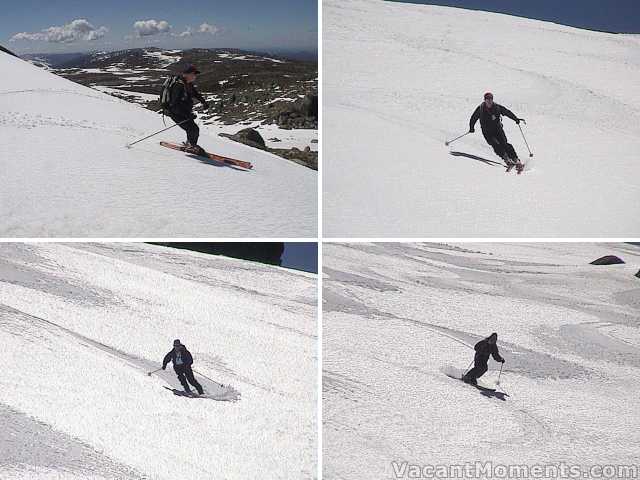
<point>212,156</point>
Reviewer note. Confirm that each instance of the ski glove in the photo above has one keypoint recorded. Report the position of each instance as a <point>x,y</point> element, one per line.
<point>502,361</point>
<point>472,130</point>
<point>193,116</point>
<point>520,120</point>
<point>164,367</point>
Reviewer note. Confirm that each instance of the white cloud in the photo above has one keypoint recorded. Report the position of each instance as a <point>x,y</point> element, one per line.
<point>79,29</point>
<point>187,33</point>
<point>206,28</point>
<point>145,28</point>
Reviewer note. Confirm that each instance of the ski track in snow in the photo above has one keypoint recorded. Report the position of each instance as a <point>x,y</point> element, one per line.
<point>420,84</point>
<point>397,315</point>
<point>83,323</point>
<point>67,173</point>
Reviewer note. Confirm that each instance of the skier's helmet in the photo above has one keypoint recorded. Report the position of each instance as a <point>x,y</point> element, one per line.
<point>176,343</point>
<point>488,96</point>
<point>493,337</point>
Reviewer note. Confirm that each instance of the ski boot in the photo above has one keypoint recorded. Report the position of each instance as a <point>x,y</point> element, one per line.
<point>195,150</point>
<point>509,163</point>
<point>519,166</point>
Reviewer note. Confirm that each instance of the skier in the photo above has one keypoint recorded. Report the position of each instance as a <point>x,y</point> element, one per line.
<point>489,114</point>
<point>180,107</point>
<point>182,361</point>
<point>484,348</point>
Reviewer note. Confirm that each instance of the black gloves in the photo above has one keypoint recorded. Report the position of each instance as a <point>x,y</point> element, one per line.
<point>520,120</point>
<point>471,130</point>
<point>193,116</point>
<point>164,367</point>
<point>502,360</point>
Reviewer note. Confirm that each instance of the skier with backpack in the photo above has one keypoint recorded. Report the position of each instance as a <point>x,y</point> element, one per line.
<point>176,100</point>
<point>484,349</point>
<point>182,361</point>
<point>490,114</point>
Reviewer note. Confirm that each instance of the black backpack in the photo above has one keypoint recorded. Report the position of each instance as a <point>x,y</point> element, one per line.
<point>165,93</point>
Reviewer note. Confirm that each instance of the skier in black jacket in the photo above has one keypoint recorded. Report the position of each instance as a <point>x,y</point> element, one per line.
<point>489,114</point>
<point>484,349</point>
<point>182,361</point>
<point>180,107</point>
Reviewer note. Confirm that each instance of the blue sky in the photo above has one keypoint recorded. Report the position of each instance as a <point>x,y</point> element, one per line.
<point>620,16</point>
<point>267,25</point>
<point>301,256</point>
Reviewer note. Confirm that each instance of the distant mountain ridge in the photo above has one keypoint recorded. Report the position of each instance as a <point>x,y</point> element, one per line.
<point>241,86</point>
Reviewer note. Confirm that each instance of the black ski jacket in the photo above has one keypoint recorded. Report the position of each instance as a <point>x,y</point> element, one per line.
<point>182,95</point>
<point>490,120</point>
<point>187,359</point>
<point>484,349</point>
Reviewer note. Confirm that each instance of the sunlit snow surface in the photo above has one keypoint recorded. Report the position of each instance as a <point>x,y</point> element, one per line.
<point>82,324</point>
<point>66,171</point>
<point>400,79</point>
<point>396,317</point>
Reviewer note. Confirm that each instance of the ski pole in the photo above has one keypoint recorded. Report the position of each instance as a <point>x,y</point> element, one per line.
<point>149,373</point>
<point>448,142</point>
<point>525,141</point>
<point>159,131</point>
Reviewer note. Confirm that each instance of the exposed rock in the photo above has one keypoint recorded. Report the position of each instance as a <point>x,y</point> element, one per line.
<point>248,136</point>
<point>309,106</point>
<point>305,157</point>
<point>607,260</point>
<point>251,137</point>
<point>303,113</point>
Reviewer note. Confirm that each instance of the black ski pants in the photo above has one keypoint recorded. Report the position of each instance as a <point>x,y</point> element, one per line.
<point>193,132</point>
<point>479,369</point>
<point>498,140</point>
<point>185,374</point>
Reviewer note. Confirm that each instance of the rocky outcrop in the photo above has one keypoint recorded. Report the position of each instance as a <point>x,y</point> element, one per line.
<point>248,136</point>
<point>303,113</point>
<point>251,137</point>
<point>608,260</point>
<point>306,157</point>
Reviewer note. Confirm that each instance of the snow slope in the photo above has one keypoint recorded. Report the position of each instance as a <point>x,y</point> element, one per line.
<point>400,79</point>
<point>65,171</point>
<point>80,326</point>
<point>397,316</point>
